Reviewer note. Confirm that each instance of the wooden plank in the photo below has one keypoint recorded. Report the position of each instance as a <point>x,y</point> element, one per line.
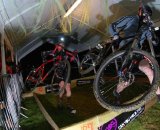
<point>45,113</point>
<point>99,120</point>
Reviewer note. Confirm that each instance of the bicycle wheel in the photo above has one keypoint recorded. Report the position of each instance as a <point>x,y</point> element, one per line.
<point>135,86</point>
<point>88,63</point>
<point>33,79</point>
<point>65,64</point>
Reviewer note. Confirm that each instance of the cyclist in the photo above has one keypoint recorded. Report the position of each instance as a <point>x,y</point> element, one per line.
<point>60,79</point>
<point>129,25</point>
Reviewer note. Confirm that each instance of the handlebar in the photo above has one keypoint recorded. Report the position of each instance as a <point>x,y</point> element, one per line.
<point>54,53</point>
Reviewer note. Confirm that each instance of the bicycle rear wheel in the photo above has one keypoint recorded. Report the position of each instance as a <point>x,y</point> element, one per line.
<point>136,93</point>
<point>33,79</point>
<point>88,63</point>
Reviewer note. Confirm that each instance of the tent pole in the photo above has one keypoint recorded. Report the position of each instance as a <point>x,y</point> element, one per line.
<point>3,71</point>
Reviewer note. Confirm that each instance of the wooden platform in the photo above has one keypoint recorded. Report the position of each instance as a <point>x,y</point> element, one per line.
<point>96,121</point>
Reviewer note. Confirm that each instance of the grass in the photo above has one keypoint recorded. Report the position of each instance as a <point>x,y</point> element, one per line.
<point>35,120</point>
<point>86,105</point>
<point>147,121</point>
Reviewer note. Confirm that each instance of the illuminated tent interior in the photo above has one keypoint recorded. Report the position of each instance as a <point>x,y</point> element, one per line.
<point>23,22</point>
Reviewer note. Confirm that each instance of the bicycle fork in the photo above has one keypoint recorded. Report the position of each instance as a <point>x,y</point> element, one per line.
<point>122,73</point>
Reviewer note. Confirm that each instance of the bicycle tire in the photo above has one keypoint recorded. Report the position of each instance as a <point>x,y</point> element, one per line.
<point>99,83</point>
<point>68,66</point>
<point>87,64</point>
<point>32,79</point>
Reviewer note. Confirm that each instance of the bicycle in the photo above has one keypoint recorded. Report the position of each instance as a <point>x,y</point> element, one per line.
<point>123,67</point>
<point>59,57</point>
<point>46,72</point>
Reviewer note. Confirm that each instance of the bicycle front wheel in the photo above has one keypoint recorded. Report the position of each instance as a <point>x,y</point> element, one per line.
<point>128,88</point>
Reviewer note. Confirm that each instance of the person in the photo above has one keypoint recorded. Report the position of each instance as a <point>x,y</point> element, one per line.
<point>60,78</point>
<point>129,25</point>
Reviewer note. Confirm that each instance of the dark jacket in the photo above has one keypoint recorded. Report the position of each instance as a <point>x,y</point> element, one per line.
<point>129,24</point>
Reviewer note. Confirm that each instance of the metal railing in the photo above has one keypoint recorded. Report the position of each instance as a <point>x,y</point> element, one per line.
<point>11,87</point>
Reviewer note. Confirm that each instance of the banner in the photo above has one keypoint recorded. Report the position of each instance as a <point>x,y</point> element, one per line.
<point>122,120</point>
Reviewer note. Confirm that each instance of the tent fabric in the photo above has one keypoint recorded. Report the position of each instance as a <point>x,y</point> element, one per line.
<point>26,22</point>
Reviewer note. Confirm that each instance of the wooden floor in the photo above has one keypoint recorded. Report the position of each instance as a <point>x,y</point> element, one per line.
<point>88,109</point>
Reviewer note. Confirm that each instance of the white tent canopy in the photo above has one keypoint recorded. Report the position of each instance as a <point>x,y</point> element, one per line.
<point>24,22</point>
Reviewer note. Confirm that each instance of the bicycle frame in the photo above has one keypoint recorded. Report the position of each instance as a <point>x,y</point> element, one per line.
<point>129,53</point>
<point>104,50</point>
<point>72,56</point>
<point>134,44</point>
<point>42,66</point>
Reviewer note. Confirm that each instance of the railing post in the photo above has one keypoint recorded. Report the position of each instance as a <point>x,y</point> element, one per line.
<point>3,71</point>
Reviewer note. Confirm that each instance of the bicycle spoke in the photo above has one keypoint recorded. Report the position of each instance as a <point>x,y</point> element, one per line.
<point>110,86</point>
<point>90,64</point>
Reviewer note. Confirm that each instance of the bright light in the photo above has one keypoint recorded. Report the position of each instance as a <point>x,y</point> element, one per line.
<point>62,39</point>
<point>156,28</point>
<point>72,8</point>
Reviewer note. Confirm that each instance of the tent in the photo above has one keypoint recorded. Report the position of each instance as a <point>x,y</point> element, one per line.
<point>24,22</point>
